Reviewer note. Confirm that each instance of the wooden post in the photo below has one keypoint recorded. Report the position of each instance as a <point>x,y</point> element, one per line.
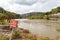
<point>11,34</point>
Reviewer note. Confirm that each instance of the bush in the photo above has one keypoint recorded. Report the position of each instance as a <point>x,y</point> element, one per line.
<point>16,34</point>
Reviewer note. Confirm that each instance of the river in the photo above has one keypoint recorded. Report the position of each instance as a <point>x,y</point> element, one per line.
<point>41,27</point>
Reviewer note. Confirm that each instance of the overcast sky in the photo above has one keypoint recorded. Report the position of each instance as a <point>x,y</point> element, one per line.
<point>25,6</point>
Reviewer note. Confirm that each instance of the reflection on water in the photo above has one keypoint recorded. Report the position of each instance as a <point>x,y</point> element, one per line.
<point>41,27</point>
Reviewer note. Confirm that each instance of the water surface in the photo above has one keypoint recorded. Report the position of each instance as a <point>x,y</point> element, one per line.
<point>41,27</point>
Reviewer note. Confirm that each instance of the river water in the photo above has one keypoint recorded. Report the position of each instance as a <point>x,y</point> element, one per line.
<point>41,27</point>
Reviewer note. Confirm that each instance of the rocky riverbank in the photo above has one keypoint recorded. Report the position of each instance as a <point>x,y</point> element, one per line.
<point>21,34</point>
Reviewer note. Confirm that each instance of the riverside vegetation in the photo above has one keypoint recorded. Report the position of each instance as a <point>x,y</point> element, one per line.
<point>5,16</point>
<point>54,13</point>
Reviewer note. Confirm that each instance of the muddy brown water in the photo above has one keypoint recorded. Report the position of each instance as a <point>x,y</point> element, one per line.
<point>41,27</point>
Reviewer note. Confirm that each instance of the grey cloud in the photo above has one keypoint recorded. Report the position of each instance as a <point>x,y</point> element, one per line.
<point>43,1</point>
<point>25,2</point>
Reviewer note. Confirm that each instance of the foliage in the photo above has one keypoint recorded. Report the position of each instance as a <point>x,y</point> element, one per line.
<point>4,22</point>
<point>1,15</point>
<point>16,34</point>
<point>8,15</point>
<point>4,38</point>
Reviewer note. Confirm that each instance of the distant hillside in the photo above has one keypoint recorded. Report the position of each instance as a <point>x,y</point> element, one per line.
<point>29,14</point>
<point>41,15</point>
<point>4,14</point>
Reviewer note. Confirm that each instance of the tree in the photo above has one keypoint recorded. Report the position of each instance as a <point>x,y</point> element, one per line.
<point>47,14</point>
<point>58,9</point>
